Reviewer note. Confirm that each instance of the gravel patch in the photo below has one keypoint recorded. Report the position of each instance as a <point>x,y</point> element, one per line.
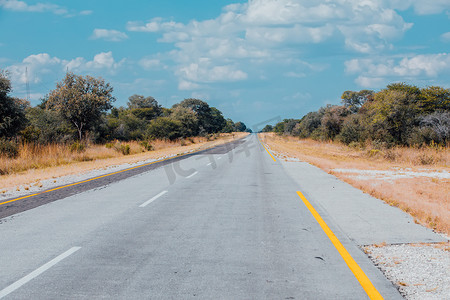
<point>419,271</point>
<point>392,175</point>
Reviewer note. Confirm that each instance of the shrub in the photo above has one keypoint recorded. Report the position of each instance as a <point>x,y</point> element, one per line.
<point>77,147</point>
<point>8,148</point>
<point>125,149</point>
<point>147,146</point>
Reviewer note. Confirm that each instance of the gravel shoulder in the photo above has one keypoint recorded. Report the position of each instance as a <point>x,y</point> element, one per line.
<point>419,271</point>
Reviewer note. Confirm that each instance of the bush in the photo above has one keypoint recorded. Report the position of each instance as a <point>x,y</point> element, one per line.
<point>147,146</point>
<point>8,148</point>
<point>125,149</point>
<point>77,147</point>
<point>352,131</point>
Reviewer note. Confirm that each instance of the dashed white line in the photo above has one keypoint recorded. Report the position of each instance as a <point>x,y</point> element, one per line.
<point>193,174</point>
<point>6,291</point>
<point>152,199</point>
<point>209,164</point>
<point>220,157</point>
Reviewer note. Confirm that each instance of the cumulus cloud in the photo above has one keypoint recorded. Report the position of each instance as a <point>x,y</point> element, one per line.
<point>445,37</point>
<point>40,67</point>
<point>204,71</point>
<point>15,5</point>
<point>108,35</point>
<point>264,31</point>
<point>22,6</point>
<point>372,72</point>
<point>150,63</point>
<point>154,25</point>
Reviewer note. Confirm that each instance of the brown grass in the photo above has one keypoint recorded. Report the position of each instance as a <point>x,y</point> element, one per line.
<point>426,199</point>
<point>36,163</point>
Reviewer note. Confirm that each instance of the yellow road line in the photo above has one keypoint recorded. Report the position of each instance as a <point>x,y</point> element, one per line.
<point>102,176</point>
<point>351,263</point>
<point>266,148</point>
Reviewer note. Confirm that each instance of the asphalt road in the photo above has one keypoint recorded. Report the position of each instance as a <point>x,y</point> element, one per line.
<point>222,224</point>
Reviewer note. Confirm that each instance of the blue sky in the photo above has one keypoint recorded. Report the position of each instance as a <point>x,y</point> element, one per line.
<point>254,60</point>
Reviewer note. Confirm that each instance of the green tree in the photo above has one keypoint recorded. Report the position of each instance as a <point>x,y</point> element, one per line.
<point>434,98</point>
<point>392,115</point>
<point>240,127</point>
<point>46,126</point>
<point>139,101</point>
<point>188,120</point>
<point>267,128</point>
<point>205,115</point>
<point>165,128</point>
<point>309,123</point>
<point>81,101</point>
<point>332,120</point>
<point>12,110</point>
<point>229,126</point>
<point>354,100</point>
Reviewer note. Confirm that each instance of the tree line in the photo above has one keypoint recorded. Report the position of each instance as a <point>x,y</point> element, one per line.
<point>80,108</point>
<point>400,114</point>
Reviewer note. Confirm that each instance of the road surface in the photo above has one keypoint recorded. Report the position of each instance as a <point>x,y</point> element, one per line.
<point>222,224</point>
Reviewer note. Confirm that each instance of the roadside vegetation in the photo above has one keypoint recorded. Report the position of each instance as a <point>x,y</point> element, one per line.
<point>392,144</point>
<point>400,114</point>
<point>78,122</point>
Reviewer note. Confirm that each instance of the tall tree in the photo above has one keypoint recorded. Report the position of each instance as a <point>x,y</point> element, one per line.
<point>81,101</point>
<point>12,110</point>
<point>434,98</point>
<point>354,100</point>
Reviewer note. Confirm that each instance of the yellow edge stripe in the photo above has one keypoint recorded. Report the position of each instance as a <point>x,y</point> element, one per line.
<point>106,175</point>
<point>266,148</point>
<point>351,263</point>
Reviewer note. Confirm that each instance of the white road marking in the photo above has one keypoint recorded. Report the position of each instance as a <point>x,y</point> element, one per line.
<point>153,199</point>
<point>193,174</point>
<point>209,164</point>
<point>220,157</point>
<point>6,291</point>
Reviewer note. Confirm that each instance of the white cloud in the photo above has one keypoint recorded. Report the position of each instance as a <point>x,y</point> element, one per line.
<point>247,36</point>
<point>203,71</point>
<point>294,75</point>
<point>184,85</point>
<point>445,37</point>
<point>154,25</point>
<point>150,63</point>
<point>41,67</point>
<point>22,6</point>
<point>15,5</point>
<point>373,72</point>
<point>108,35</point>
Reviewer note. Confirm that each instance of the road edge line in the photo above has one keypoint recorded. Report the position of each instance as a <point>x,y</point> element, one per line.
<point>266,148</point>
<point>365,282</point>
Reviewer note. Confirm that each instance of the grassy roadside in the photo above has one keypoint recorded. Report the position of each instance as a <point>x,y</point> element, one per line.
<point>42,163</point>
<point>415,180</point>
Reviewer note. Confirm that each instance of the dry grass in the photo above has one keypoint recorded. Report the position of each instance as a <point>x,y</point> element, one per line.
<point>426,199</point>
<point>36,163</point>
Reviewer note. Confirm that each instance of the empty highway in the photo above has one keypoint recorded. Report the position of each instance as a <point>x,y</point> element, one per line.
<point>229,223</point>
